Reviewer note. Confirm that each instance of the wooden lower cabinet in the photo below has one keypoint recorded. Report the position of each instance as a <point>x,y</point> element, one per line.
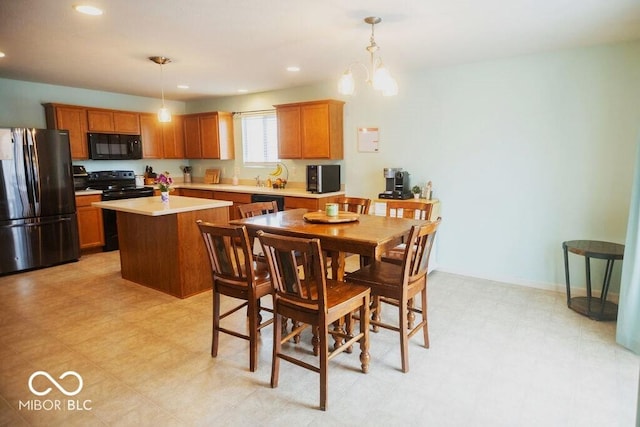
<point>307,203</point>
<point>236,198</point>
<point>90,226</point>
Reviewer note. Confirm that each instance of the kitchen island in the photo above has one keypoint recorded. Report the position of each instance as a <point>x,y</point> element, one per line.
<point>160,243</point>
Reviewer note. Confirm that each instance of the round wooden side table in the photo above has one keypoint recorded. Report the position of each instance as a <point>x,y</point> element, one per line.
<point>597,308</point>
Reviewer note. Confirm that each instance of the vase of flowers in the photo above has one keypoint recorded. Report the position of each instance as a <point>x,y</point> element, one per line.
<point>164,182</point>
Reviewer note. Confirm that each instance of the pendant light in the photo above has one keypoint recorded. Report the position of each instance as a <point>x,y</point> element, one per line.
<point>378,75</point>
<point>164,115</point>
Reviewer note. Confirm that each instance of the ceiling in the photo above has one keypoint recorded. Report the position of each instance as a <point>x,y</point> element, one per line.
<point>218,47</point>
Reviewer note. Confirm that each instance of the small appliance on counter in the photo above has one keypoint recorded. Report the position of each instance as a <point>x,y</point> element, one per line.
<point>323,178</point>
<point>80,178</point>
<point>396,184</point>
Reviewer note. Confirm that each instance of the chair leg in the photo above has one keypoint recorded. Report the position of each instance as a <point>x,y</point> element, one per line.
<point>316,341</point>
<point>404,338</point>
<point>425,328</point>
<point>375,311</point>
<point>364,341</point>
<point>324,363</point>
<point>216,324</point>
<point>411,315</point>
<point>252,309</point>
<point>275,360</point>
<point>348,323</point>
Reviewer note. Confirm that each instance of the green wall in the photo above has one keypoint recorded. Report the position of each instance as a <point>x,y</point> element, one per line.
<point>524,152</point>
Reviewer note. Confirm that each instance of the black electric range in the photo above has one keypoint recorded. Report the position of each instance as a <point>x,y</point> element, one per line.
<point>115,185</point>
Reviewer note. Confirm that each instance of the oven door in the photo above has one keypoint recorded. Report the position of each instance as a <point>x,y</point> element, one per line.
<point>110,223</point>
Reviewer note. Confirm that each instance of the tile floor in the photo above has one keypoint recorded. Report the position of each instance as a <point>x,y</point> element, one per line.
<point>501,355</point>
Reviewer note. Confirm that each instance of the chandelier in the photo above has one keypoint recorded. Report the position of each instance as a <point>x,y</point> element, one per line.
<point>164,115</point>
<point>378,75</point>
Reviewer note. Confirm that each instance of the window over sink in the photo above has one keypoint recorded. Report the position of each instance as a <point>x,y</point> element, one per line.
<point>259,138</point>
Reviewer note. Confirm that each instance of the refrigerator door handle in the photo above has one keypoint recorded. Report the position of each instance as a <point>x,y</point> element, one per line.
<point>37,224</point>
<point>33,169</point>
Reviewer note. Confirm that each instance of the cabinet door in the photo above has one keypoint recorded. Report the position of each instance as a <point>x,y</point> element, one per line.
<point>89,222</point>
<point>192,148</point>
<point>315,131</point>
<point>173,138</point>
<point>209,136</point>
<point>100,121</point>
<point>225,136</point>
<point>151,137</point>
<point>289,136</point>
<point>74,120</point>
<point>126,122</point>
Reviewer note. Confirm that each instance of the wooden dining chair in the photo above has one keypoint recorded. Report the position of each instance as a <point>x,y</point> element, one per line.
<point>236,274</point>
<point>405,209</point>
<point>249,210</point>
<point>398,284</point>
<point>305,295</point>
<point>358,205</point>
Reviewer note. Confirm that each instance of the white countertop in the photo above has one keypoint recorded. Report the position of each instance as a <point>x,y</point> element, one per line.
<point>153,206</point>
<point>252,189</point>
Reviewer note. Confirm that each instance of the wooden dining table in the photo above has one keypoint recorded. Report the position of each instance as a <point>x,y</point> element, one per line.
<point>369,236</point>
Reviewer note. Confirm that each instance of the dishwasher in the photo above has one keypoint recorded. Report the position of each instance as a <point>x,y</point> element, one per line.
<point>268,198</point>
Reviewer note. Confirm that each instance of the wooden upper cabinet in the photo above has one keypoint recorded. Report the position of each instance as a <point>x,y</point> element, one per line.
<point>311,130</point>
<point>73,119</point>
<point>173,138</point>
<point>192,147</point>
<point>151,135</point>
<point>112,121</point>
<point>100,121</point>
<point>289,136</point>
<point>126,122</point>
<point>161,140</point>
<point>209,136</point>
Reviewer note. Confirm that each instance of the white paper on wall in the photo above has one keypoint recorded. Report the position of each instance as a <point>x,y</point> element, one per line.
<point>368,140</point>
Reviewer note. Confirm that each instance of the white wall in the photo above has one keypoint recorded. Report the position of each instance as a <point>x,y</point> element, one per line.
<point>524,153</point>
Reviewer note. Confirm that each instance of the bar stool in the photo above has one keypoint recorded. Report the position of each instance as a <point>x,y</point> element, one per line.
<point>594,308</point>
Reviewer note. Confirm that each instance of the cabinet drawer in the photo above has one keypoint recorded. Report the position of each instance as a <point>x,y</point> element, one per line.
<point>192,192</point>
<point>87,200</point>
<point>232,197</point>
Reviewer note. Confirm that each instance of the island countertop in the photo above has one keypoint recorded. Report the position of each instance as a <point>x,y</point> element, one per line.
<point>153,206</point>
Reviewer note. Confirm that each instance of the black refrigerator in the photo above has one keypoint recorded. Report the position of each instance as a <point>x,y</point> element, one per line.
<point>38,222</point>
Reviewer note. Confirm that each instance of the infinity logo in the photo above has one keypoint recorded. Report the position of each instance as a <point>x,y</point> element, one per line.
<point>55,383</point>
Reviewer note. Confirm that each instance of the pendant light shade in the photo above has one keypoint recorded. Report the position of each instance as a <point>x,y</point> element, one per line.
<point>378,76</point>
<point>164,115</point>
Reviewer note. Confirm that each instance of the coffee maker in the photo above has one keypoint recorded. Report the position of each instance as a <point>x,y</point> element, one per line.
<point>396,184</point>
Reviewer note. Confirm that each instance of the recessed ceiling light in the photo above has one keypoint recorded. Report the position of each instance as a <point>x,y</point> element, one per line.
<point>293,69</point>
<point>2,55</point>
<point>183,86</point>
<point>88,10</point>
<point>243,90</point>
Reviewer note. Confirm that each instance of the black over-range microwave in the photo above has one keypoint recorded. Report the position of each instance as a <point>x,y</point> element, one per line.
<point>107,146</point>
